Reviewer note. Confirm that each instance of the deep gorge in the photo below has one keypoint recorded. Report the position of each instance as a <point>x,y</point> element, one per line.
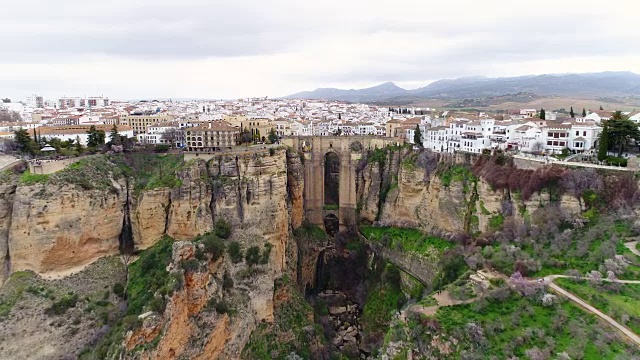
<point>110,205</point>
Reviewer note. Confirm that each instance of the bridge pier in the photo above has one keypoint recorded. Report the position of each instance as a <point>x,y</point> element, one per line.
<point>350,150</point>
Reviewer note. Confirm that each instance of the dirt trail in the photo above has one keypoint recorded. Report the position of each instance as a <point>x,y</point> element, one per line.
<point>444,299</point>
<point>630,334</point>
<point>583,304</point>
<point>631,245</point>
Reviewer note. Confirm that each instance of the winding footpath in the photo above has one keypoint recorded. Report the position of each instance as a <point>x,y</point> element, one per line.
<point>630,334</point>
<point>632,245</point>
<point>444,299</point>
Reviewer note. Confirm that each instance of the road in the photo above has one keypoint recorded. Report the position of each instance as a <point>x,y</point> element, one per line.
<point>631,245</point>
<point>443,299</point>
<point>630,334</point>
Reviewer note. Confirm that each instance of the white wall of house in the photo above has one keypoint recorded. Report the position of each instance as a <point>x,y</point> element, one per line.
<point>83,136</point>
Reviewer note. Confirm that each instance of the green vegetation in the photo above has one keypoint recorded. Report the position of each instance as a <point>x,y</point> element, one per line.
<point>310,233</point>
<point>149,283</point>
<point>235,252</point>
<point>456,173</point>
<point>28,178</point>
<point>405,239</point>
<point>620,301</point>
<point>603,145</point>
<point>620,131</point>
<point>409,163</point>
<point>220,306</point>
<point>293,329</point>
<point>213,246</point>
<point>61,306</point>
<point>13,290</point>
<point>118,290</point>
<point>378,156</point>
<point>331,207</point>
<point>516,325</point>
<point>148,276</point>
<point>558,247</point>
<point>190,265</point>
<point>93,172</point>
<point>616,161</point>
<point>384,299</point>
<point>252,256</point>
<point>223,228</point>
<point>417,136</point>
<point>150,171</point>
<point>266,253</point>
<point>496,221</point>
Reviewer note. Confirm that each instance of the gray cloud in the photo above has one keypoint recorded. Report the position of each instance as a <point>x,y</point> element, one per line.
<point>271,45</point>
<point>154,31</point>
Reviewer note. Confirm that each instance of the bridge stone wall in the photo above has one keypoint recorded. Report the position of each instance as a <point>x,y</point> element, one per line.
<point>349,150</point>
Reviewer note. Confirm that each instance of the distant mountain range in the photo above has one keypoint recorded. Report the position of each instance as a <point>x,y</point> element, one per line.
<point>604,84</point>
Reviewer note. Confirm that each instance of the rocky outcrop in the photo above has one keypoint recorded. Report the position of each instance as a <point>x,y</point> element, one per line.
<point>149,218</point>
<point>177,326</point>
<point>7,192</point>
<point>61,227</point>
<point>189,213</point>
<point>251,192</point>
<point>410,196</point>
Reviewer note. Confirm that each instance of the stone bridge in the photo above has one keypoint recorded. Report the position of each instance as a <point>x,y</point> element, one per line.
<point>330,176</point>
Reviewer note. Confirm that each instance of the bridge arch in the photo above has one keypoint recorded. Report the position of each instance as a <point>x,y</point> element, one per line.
<point>348,150</point>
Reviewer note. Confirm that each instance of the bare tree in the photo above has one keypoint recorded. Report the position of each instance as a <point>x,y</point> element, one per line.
<point>537,147</point>
<point>170,135</point>
<point>9,116</point>
<point>127,258</point>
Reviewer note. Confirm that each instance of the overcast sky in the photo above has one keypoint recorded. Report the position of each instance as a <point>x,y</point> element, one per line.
<point>238,48</point>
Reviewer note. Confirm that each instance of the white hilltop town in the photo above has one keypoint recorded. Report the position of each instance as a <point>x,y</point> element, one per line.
<point>216,125</point>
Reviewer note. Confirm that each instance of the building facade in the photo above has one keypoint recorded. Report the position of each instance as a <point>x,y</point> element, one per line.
<point>210,137</point>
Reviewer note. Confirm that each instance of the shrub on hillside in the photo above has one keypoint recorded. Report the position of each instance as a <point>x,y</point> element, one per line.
<point>252,257</point>
<point>223,228</point>
<point>118,290</point>
<point>235,252</point>
<point>61,306</point>
<point>213,246</point>
<point>190,265</point>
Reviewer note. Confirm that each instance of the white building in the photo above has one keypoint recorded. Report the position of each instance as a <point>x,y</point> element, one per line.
<point>79,132</point>
<point>35,101</point>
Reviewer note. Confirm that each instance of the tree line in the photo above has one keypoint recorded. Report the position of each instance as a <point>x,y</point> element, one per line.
<point>31,143</point>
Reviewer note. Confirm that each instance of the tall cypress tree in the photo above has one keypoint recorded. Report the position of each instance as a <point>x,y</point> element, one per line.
<point>572,113</point>
<point>584,112</point>
<point>543,114</point>
<point>417,136</point>
<point>603,146</point>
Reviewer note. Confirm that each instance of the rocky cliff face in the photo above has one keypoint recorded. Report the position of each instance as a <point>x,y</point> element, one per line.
<point>52,227</point>
<point>403,192</point>
<point>7,193</point>
<point>58,228</point>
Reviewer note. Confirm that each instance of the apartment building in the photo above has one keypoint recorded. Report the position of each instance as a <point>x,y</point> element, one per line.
<point>139,122</point>
<point>211,136</point>
<point>35,101</point>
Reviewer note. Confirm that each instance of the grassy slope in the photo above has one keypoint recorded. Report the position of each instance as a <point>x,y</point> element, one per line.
<point>562,323</point>
<point>412,240</point>
<point>612,299</point>
<point>147,276</point>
